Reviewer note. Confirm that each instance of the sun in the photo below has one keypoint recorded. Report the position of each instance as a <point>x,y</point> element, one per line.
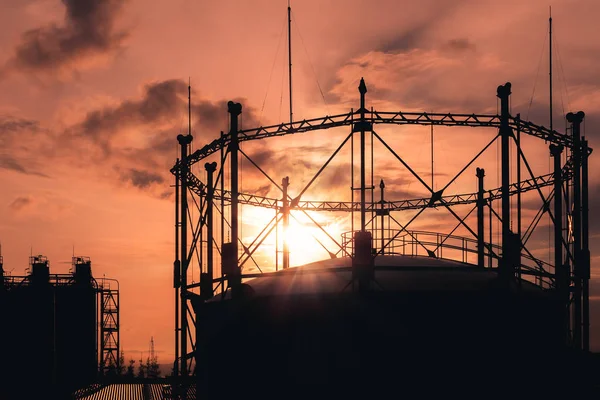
<point>307,242</point>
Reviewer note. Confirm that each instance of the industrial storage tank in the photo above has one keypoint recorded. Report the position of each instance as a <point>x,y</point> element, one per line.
<point>49,329</point>
<point>426,324</point>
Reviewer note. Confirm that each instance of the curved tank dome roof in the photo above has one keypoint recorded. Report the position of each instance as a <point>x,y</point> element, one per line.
<point>395,273</point>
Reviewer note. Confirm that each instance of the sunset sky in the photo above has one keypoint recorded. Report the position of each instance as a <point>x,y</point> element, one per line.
<point>94,92</point>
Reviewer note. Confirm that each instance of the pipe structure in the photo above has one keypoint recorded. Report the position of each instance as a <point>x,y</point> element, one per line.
<point>575,120</point>
<point>184,142</point>
<point>506,270</point>
<point>285,182</point>
<point>480,228</point>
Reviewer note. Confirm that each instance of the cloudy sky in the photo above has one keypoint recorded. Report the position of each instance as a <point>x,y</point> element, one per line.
<point>94,92</point>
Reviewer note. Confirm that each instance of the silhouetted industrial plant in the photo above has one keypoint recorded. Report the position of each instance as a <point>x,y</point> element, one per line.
<point>394,309</point>
<point>387,293</point>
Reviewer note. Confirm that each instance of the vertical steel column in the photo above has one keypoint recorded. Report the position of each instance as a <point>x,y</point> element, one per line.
<point>118,312</point>
<point>505,270</point>
<point>382,187</point>
<point>210,195</point>
<point>222,182</point>
<point>556,151</point>
<point>285,182</point>
<point>519,230</point>
<point>234,109</point>
<point>184,141</point>
<point>372,184</point>
<point>491,203</point>
<point>480,229</point>
<point>176,272</point>
<point>561,272</point>
<point>585,244</point>
<point>276,239</point>
<point>290,59</point>
<point>352,180</point>
<point>575,120</point>
<point>362,88</point>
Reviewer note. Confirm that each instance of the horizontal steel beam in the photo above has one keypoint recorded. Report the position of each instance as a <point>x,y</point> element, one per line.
<point>379,117</point>
<point>412,204</point>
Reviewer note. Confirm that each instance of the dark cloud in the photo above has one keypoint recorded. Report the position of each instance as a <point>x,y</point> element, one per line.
<point>459,44</point>
<point>594,210</point>
<point>135,140</point>
<point>8,162</point>
<point>265,156</point>
<point>417,34</point>
<point>153,121</point>
<point>21,203</point>
<point>141,178</point>
<point>262,190</point>
<point>11,124</point>
<point>404,41</point>
<point>162,103</point>
<point>15,137</point>
<point>334,177</point>
<point>88,30</point>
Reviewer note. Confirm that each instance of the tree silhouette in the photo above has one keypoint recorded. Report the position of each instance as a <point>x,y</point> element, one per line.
<point>130,369</point>
<point>116,370</point>
<point>152,369</point>
<point>121,366</point>
<point>141,369</point>
<point>111,369</point>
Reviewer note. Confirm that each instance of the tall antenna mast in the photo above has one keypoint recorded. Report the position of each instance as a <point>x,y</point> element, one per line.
<point>550,64</point>
<point>189,106</point>
<point>290,57</point>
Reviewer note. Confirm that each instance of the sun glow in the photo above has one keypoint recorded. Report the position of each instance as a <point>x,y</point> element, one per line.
<point>307,242</point>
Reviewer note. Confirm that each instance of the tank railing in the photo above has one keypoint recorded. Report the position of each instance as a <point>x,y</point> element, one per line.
<point>53,280</point>
<point>450,247</point>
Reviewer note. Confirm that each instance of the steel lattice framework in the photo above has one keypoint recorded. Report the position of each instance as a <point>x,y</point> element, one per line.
<point>567,189</point>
